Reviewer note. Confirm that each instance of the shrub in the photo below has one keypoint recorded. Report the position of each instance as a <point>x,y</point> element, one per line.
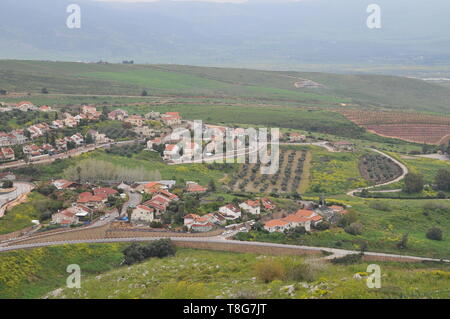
<point>299,271</point>
<point>136,252</point>
<point>7,184</point>
<point>354,229</point>
<point>348,259</point>
<point>434,233</point>
<point>379,205</point>
<point>269,270</point>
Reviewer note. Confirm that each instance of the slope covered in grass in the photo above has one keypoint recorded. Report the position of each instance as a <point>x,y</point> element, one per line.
<point>361,90</point>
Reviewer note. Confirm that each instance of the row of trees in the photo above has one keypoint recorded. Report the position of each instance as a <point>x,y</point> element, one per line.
<point>92,170</point>
<point>414,183</point>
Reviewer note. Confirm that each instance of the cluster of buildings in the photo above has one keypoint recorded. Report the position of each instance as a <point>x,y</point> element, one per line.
<point>229,212</point>
<point>152,210</point>
<point>86,204</point>
<point>306,217</point>
<point>16,137</point>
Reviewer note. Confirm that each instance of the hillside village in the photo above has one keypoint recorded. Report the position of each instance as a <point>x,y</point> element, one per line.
<point>65,132</point>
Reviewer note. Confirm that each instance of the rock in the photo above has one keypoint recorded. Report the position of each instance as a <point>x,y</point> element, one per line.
<point>357,276</point>
<point>288,289</point>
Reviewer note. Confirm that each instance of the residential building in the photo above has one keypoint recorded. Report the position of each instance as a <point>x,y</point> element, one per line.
<point>230,212</point>
<point>7,154</point>
<point>118,115</point>
<point>172,151</point>
<point>62,184</point>
<point>143,214</point>
<point>193,187</point>
<point>251,206</point>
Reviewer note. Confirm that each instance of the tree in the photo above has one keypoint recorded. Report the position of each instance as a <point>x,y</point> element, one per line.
<point>7,184</point>
<point>3,92</point>
<point>413,183</point>
<point>144,93</point>
<point>211,186</point>
<point>403,243</point>
<point>44,91</point>
<point>442,180</point>
<point>89,139</point>
<point>434,233</point>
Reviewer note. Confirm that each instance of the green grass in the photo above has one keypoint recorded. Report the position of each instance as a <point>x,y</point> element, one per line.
<point>32,273</point>
<point>382,230</point>
<point>334,173</point>
<point>20,216</point>
<point>193,274</point>
<point>115,79</point>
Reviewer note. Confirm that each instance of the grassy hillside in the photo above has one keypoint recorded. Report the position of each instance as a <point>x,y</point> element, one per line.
<point>193,274</point>
<point>32,273</point>
<point>360,90</point>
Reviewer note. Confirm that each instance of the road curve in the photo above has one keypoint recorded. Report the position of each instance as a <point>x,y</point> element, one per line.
<point>402,176</point>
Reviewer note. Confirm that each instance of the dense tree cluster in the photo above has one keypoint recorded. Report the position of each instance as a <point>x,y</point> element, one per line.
<point>137,252</point>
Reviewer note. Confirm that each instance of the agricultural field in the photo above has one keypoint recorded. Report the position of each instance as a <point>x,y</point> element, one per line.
<point>378,169</point>
<point>334,173</point>
<point>412,127</point>
<point>287,179</point>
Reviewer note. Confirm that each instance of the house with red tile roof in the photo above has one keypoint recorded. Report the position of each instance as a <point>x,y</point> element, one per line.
<point>171,151</point>
<point>62,184</point>
<point>193,187</point>
<point>105,191</point>
<point>7,154</point>
<point>268,204</point>
<point>276,225</point>
<point>92,201</point>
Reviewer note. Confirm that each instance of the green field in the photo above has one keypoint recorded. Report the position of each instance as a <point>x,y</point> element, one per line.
<point>115,79</point>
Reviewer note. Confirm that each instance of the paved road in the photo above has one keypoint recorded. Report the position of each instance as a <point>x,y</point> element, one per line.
<point>134,200</point>
<point>402,176</point>
<point>74,152</point>
<point>334,252</point>
<point>21,188</point>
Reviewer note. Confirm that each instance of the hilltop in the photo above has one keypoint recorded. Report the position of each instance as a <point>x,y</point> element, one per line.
<point>225,84</point>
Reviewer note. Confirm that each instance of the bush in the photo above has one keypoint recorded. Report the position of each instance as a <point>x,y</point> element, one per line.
<point>269,270</point>
<point>379,205</point>
<point>298,271</point>
<point>136,252</point>
<point>347,259</point>
<point>354,229</point>
<point>434,233</point>
<point>7,184</point>
<point>413,183</point>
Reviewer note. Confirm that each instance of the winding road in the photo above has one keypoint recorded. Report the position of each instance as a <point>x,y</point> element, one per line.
<point>402,176</point>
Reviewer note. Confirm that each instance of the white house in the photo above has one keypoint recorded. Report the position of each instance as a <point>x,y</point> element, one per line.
<point>276,225</point>
<point>172,151</point>
<point>142,214</point>
<point>251,206</point>
<point>230,211</point>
